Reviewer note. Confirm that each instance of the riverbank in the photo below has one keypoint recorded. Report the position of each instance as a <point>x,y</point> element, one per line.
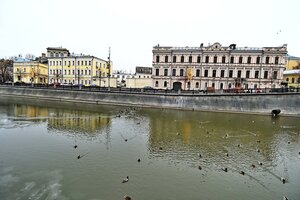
<point>261,103</point>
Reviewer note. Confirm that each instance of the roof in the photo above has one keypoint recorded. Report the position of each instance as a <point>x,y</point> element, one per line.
<point>289,57</point>
<point>22,60</point>
<point>57,48</point>
<point>291,72</point>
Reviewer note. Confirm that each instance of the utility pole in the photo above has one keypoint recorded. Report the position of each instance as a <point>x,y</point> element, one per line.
<point>108,67</point>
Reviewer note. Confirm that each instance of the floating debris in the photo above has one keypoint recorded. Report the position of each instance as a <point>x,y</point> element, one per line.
<point>127,197</point>
<point>75,146</point>
<point>139,160</point>
<point>242,172</point>
<point>160,148</point>
<point>260,163</point>
<point>224,169</point>
<point>253,166</point>
<point>199,167</point>
<point>283,180</point>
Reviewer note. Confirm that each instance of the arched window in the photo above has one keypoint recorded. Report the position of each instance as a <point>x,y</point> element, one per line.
<point>213,85</point>
<point>189,85</point>
<point>197,85</point>
<point>165,84</point>
<point>157,59</point>
<point>156,83</point>
<point>221,86</point>
<point>229,85</point>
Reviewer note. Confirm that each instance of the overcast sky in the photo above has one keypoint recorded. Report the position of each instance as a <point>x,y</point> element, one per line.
<point>132,27</point>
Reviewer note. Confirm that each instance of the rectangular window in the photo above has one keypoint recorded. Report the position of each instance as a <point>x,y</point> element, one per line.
<point>239,75</point>
<point>249,60</point>
<point>182,59</point>
<point>69,62</point>
<point>256,74</point>
<point>240,60</point>
<point>173,72</point>
<point>157,59</point>
<point>266,74</point>
<point>230,73</point>
<point>73,71</point>
<point>166,72</point>
<point>190,59</point>
<point>197,72</point>
<point>206,59</point>
<point>89,63</point>
<point>257,60</point>
<point>174,59</point>
<point>85,63</point>
<point>222,73</point>
<point>231,59</point>
<point>65,71</point>
<point>166,59</point>
<point>276,60</point>
<point>157,72</point>
<point>223,59</point>
<point>267,60</point>
<point>275,75</point>
<point>214,73</point>
<point>215,59</point>
<point>206,73</point>
<point>247,74</point>
<point>198,59</point>
<point>65,63</point>
<point>181,72</point>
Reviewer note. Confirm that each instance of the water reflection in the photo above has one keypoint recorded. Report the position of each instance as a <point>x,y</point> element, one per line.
<point>182,153</point>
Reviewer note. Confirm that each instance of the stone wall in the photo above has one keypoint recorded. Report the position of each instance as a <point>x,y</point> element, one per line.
<point>263,103</point>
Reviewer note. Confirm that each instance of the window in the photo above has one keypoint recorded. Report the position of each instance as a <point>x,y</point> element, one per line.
<point>51,54</point>
<point>89,72</point>
<point>198,59</point>
<point>222,73</point>
<point>61,55</point>
<point>78,63</point>
<point>166,59</point>
<point>156,83</point>
<point>166,72</point>
<point>174,59</point>
<point>229,85</point>
<point>231,59</point>
<point>173,72</point>
<point>190,59</point>
<point>206,59</point>
<point>287,79</point>
<point>69,72</point>
<point>213,85</point>
<point>293,80</point>
<point>50,71</point>
<point>240,60</point>
<point>276,60</point>
<point>157,72</point>
<point>256,74</point>
<point>165,84</point>
<point>214,73</point>
<point>81,63</point>
<point>247,74</point>
<point>249,60</point>
<point>182,59</point>
<point>73,71</point>
<point>65,71</point>
<point>81,72</point>
<point>89,63</point>
<point>223,59</point>
<point>267,60</point>
<point>56,55</point>
<point>69,63</point>
<point>197,72</point>
<point>215,59</point>
<point>65,63</point>
<point>73,62</point>
<point>275,75</point>
<point>266,74</point>
<point>239,75</point>
<point>181,72</point>
<point>257,60</point>
<point>197,85</point>
<point>206,73</point>
<point>189,85</point>
<point>221,86</point>
<point>85,72</point>
<point>230,73</point>
<point>157,59</point>
<point>85,62</point>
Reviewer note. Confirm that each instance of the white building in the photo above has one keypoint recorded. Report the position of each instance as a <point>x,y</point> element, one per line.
<point>218,67</point>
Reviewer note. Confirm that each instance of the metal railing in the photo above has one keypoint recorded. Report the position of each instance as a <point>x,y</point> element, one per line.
<point>152,90</point>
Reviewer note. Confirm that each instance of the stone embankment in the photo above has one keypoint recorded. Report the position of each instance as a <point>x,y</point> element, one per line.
<point>261,103</point>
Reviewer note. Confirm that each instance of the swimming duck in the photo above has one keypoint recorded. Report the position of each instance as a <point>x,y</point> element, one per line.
<point>283,180</point>
<point>225,169</point>
<point>199,167</point>
<point>125,180</point>
<point>242,172</point>
<point>139,160</point>
<point>78,157</point>
<point>260,163</point>
<point>75,146</point>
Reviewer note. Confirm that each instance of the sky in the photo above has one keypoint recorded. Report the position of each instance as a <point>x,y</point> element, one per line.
<point>132,27</point>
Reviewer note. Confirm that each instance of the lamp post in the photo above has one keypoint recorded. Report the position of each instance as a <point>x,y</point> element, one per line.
<point>108,67</point>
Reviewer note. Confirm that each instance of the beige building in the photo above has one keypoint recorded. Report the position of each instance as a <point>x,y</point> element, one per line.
<point>218,67</point>
<point>292,73</point>
<point>78,69</point>
<point>29,71</point>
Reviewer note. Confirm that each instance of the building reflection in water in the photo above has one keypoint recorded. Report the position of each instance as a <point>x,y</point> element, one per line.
<point>63,120</point>
<point>247,139</point>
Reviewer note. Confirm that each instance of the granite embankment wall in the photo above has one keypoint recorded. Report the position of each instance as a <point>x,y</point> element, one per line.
<point>288,103</point>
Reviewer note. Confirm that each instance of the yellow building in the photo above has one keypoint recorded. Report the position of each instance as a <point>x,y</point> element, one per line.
<point>29,71</point>
<point>292,73</point>
<point>78,69</point>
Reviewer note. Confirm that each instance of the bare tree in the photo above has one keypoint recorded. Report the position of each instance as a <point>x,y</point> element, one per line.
<point>6,70</point>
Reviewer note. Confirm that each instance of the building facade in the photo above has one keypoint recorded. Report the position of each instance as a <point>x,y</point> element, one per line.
<point>78,69</point>
<point>219,67</point>
<point>292,73</point>
<point>29,71</point>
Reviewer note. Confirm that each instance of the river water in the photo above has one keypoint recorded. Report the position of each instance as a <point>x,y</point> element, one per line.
<point>183,154</point>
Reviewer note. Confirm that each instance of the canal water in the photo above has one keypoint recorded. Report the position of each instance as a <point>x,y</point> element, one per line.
<point>182,154</point>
